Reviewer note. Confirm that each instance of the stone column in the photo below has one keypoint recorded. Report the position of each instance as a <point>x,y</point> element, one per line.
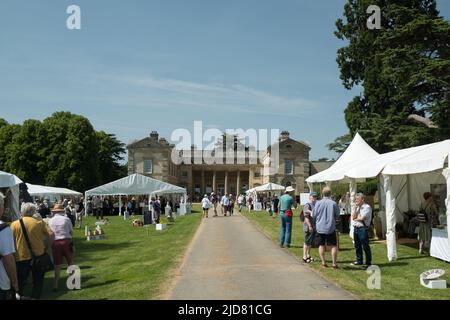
<point>226,183</point>
<point>238,183</point>
<point>202,187</point>
<point>214,182</point>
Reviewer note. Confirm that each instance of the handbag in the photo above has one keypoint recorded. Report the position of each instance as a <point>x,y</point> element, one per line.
<point>42,263</point>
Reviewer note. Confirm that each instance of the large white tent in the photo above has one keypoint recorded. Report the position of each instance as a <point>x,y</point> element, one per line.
<point>135,184</point>
<point>356,153</point>
<point>51,192</point>
<point>10,181</point>
<point>404,176</point>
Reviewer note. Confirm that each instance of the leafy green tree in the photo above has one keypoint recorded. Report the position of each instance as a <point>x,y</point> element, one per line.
<point>403,68</point>
<point>3,122</point>
<point>110,153</point>
<point>7,132</point>
<point>24,153</point>
<point>72,152</point>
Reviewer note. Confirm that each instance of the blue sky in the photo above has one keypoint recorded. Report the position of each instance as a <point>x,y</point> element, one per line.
<point>137,66</point>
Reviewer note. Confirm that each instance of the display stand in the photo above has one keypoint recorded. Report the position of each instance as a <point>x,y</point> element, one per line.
<point>440,246</point>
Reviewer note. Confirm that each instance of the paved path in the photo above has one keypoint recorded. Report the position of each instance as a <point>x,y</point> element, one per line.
<point>230,259</point>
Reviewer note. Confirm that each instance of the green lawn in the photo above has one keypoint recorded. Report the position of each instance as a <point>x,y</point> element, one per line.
<point>129,264</point>
<point>399,279</point>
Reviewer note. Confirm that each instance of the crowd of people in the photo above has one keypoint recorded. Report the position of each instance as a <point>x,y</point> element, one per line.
<point>26,241</point>
<point>320,219</point>
<point>226,204</point>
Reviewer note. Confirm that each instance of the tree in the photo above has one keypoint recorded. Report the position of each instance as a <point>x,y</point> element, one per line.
<point>340,144</point>
<point>24,155</point>
<point>7,132</point>
<point>111,153</point>
<point>3,122</point>
<point>72,152</point>
<point>404,69</point>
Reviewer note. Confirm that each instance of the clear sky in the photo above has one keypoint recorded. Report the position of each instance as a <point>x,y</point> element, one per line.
<point>137,66</point>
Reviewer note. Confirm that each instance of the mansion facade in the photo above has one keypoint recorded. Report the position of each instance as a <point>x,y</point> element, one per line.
<point>152,156</point>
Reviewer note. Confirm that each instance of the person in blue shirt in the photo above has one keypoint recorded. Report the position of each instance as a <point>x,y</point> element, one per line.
<point>325,213</point>
<point>285,207</point>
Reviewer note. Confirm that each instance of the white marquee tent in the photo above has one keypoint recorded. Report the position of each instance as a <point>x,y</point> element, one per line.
<point>51,192</point>
<point>10,181</point>
<point>404,176</point>
<point>135,184</point>
<point>357,152</point>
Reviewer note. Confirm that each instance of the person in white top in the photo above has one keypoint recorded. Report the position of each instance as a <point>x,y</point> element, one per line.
<point>9,285</point>
<point>225,202</point>
<point>62,245</point>
<point>205,205</point>
<point>240,202</point>
<point>361,219</point>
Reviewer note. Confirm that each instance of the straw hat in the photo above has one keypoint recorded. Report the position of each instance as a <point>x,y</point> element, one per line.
<point>58,208</point>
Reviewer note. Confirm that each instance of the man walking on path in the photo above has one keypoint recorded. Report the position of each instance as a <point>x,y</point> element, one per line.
<point>225,202</point>
<point>214,202</point>
<point>285,206</point>
<point>325,213</point>
<point>361,218</point>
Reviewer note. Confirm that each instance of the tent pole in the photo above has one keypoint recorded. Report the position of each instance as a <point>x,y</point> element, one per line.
<point>85,205</point>
<point>120,205</point>
<point>310,186</point>
<point>446,173</point>
<point>408,190</point>
<point>382,206</point>
<point>390,219</point>
<point>352,190</point>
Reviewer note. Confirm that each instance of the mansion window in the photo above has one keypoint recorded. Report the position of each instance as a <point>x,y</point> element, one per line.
<point>148,166</point>
<point>257,175</point>
<point>184,174</point>
<point>288,167</point>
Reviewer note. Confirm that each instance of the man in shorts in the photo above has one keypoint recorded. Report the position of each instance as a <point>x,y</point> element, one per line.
<point>325,213</point>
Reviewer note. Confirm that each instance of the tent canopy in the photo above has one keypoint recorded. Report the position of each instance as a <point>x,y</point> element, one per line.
<point>135,184</point>
<point>267,187</point>
<point>425,158</point>
<point>43,191</point>
<point>8,180</point>
<point>358,152</point>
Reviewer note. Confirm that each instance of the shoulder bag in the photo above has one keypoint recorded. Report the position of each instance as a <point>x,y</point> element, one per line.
<point>42,263</point>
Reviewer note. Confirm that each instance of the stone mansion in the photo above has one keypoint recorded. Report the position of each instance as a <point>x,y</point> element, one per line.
<point>151,156</point>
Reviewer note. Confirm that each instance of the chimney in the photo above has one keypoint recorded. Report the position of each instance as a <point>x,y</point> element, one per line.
<point>284,135</point>
<point>154,135</point>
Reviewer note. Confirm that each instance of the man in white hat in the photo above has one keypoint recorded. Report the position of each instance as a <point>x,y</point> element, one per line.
<point>285,207</point>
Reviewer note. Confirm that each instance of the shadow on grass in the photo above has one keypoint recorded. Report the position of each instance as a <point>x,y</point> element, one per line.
<point>48,294</point>
<point>86,248</point>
